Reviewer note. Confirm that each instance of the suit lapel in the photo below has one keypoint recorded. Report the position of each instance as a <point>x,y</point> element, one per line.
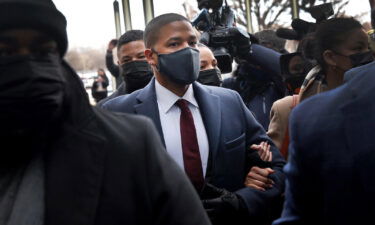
<point>148,106</point>
<point>74,171</point>
<point>209,105</point>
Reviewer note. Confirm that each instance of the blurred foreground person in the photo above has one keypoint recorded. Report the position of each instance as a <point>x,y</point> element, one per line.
<point>99,86</point>
<point>64,162</point>
<point>340,44</point>
<point>207,130</point>
<point>331,160</point>
<point>134,69</point>
<point>210,73</point>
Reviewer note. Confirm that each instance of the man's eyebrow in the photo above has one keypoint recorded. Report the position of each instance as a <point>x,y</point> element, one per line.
<point>174,39</point>
<point>125,57</point>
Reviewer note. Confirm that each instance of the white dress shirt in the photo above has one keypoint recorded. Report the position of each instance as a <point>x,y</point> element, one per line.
<point>170,113</point>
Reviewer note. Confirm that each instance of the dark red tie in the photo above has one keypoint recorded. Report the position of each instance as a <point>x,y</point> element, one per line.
<point>190,147</point>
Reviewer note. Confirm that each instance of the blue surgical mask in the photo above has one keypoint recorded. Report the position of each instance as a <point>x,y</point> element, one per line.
<point>181,67</point>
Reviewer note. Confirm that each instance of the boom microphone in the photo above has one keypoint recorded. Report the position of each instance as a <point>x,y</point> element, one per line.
<point>288,34</point>
<point>302,26</point>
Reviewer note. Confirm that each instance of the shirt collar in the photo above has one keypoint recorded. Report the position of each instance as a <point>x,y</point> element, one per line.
<point>166,99</point>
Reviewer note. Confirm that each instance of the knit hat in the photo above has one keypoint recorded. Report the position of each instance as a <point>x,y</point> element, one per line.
<point>36,14</point>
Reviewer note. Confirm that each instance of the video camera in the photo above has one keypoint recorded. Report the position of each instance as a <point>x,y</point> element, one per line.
<point>301,27</point>
<point>219,33</point>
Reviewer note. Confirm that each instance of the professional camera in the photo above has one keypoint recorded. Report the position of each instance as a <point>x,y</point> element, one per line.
<point>321,12</point>
<point>219,33</point>
<point>301,27</point>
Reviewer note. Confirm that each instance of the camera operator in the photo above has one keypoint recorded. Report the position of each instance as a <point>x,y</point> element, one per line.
<point>257,77</point>
<point>258,87</point>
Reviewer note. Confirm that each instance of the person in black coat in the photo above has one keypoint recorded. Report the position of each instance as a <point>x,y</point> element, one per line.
<point>64,162</point>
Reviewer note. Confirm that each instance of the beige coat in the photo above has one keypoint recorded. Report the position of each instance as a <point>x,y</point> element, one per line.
<point>281,109</point>
<point>279,120</point>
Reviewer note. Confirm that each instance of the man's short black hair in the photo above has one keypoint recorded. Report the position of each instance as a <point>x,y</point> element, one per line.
<point>129,36</point>
<point>154,26</point>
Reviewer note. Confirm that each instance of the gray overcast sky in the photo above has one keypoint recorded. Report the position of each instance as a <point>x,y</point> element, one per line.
<point>91,22</point>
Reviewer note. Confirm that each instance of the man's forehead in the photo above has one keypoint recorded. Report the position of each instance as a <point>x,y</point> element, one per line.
<point>176,28</point>
<point>133,46</point>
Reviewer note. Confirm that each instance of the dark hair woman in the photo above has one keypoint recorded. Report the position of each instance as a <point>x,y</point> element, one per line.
<point>339,45</point>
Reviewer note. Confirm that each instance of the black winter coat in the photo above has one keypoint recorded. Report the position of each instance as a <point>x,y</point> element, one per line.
<point>106,168</point>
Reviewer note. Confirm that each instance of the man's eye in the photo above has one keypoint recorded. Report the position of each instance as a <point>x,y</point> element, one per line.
<point>193,43</point>
<point>173,44</point>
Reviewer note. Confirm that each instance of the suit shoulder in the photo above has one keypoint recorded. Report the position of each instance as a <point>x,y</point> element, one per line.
<point>120,103</point>
<point>221,91</point>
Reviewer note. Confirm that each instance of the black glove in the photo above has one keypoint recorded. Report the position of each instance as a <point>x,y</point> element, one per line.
<point>222,206</point>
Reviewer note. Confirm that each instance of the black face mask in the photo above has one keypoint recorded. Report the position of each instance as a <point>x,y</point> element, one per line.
<point>361,59</point>
<point>31,94</point>
<point>210,77</point>
<point>181,67</point>
<point>137,74</point>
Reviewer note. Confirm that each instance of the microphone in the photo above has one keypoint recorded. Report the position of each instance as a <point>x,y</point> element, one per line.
<point>288,34</point>
<point>302,26</point>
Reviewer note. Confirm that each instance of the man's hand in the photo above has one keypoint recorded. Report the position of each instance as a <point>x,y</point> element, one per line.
<point>264,151</point>
<point>258,179</point>
<point>112,44</point>
<point>220,204</point>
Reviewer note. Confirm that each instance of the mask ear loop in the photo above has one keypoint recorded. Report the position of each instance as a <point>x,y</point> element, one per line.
<point>154,51</point>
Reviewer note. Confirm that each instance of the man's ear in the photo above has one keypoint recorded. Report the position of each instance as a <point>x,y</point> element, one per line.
<point>329,57</point>
<point>150,57</point>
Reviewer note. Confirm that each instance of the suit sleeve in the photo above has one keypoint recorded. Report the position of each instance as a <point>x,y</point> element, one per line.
<point>300,181</point>
<point>262,206</point>
<point>172,196</point>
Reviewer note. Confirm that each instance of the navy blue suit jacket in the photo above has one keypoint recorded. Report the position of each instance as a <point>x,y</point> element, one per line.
<point>331,168</point>
<point>231,130</point>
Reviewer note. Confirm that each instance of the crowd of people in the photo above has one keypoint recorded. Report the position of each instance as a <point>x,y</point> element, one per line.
<point>286,140</point>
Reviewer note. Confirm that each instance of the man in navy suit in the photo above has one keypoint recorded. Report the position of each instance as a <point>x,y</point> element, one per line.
<point>330,174</point>
<point>208,131</point>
